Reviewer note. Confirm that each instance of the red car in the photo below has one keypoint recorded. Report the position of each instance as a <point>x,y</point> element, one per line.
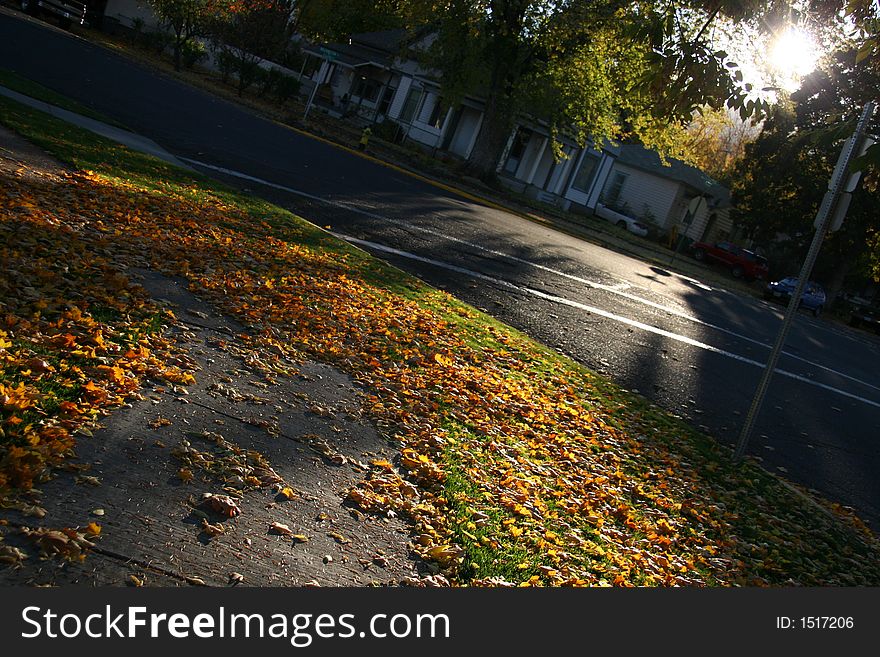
<point>742,262</point>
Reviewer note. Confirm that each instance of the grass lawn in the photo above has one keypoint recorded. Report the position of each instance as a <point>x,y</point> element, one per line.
<point>22,85</point>
<point>517,466</point>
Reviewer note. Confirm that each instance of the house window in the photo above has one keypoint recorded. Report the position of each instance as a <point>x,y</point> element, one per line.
<point>410,105</point>
<point>311,64</point>
<point>436,118</point>
<point>367,89</point>
<point>612,192</point>
<point>586,173</point>
<point>517,150</point>
<point>387,97</point>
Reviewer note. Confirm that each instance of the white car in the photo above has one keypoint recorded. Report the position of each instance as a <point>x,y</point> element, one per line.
<point>632,225</point>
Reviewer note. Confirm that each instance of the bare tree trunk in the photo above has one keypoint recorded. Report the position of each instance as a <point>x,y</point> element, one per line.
<point>178,46</point>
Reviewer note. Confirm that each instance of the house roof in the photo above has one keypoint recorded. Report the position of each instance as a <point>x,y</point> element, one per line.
<point>639,157</point>
<point>376,48</point>
<point>387,41</point>
<point>350,55</point>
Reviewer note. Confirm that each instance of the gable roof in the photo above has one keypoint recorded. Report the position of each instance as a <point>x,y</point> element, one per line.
<point>377,49</point>
<point>386,41</point>
<point>639,157</point>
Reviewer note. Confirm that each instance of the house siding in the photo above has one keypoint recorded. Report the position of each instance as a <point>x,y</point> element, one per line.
<point>588,197</point>
<point>560,173</point>
<point>466,132</point>
<point>400,97</point>
<point>419,130</point>
<point>642,192</point>
<point>701,230</point>
<point>128,11</point>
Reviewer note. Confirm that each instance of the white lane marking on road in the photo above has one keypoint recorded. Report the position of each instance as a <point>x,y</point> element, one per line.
<point>602,313</point>
<point>617,289</point>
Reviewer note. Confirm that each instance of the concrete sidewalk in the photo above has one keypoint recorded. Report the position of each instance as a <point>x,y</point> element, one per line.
<point>126,138</point>
<point>142,476</point>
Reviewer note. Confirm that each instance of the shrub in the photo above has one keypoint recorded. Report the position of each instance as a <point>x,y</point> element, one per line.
<point>226,64</point>
<point>137,31</point>
<point>159,40</point>
<point>268,80</point>
<point>247,71</point>
<point>285,88</point>
<point>192,53</point>
<point>387,131</point>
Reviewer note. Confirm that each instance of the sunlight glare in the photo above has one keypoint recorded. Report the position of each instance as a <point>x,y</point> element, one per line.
<point>794,54</point>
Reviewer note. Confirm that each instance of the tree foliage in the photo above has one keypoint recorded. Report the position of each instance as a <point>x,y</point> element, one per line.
<point>606,69</point>
<point>862,19</point>
<point>249,31</point>
<point>786,171</point>
<point>336,20</point>
<point>187,19</point>
<point>715,141</point>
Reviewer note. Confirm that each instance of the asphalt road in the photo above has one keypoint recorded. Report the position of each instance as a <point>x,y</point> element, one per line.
<point>691,348</point>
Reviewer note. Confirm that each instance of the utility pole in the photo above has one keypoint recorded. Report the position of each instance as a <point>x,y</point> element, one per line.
<point>836,186</point>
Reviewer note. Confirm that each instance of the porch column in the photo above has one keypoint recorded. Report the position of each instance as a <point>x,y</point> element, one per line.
<point>447,122</point>
<point>473,141</point>
<point>500,164</point>
<point>538,157</point>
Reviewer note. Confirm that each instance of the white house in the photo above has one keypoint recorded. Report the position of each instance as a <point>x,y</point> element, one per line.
<point>672,195</point>
<point>130,12</point>
<point>376,77</point>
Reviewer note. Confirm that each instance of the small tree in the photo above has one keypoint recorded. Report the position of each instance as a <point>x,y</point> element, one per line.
<point>250,31</point>
<point>716,140</point>
<point>187,20</point>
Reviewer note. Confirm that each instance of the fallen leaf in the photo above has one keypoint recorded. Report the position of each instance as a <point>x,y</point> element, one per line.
<point>280,528</point>
<point>212,529</point>
<point>222,504</point>
<point>287,493</point>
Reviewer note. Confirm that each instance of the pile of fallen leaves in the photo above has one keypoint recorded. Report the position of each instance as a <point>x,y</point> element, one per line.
<point>516,465</point>
<point>76,337</point>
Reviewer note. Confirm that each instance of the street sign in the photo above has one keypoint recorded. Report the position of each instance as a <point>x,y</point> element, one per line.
<point>847,155</point>
<point>854,178</point>
<point>839,212</point>
<point>328,54</point>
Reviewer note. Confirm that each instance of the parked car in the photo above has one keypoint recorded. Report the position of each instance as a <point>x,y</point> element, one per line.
<point>623,221</point>
<point>812,298</point>
<point>67,12</point>
<point>742,262</point>
<point>864,314</point>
